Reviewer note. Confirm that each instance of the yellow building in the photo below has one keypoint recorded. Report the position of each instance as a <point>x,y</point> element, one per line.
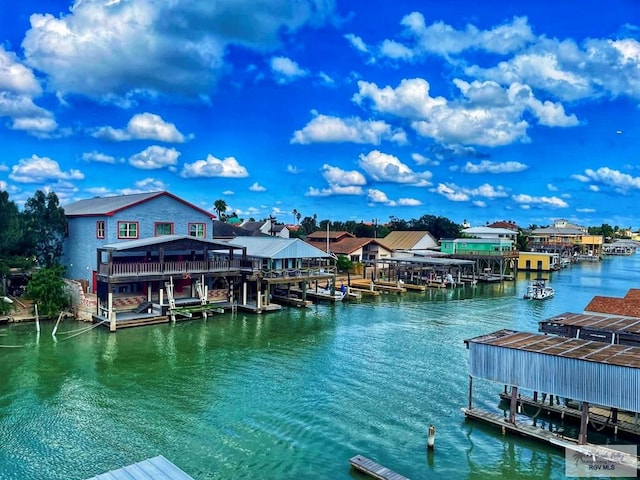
<point>538,261</point>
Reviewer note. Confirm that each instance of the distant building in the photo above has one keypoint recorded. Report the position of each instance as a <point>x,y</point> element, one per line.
<point>509,225</point>
<point>266,227</point>
<point>567,239</point>
<point>410,243</point>
<point>538,261</point>
<point>491,232</point>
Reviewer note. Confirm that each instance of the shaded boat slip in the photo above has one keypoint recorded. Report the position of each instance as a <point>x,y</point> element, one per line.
<point>599,327</point>
<point>600,417</point>
<point>558,365</point>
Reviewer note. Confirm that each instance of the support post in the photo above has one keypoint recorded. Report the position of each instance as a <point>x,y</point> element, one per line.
<point>514,405</point>
<point>470,392</point>
<point>111,313</point>
<point>584,422</point>
<point>35,306</point>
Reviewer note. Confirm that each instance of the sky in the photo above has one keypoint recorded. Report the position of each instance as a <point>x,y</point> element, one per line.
<point>358,110</point>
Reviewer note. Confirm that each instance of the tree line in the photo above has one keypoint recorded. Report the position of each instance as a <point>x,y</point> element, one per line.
<point>31,240</point>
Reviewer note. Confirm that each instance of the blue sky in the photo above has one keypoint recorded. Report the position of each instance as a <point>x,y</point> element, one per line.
<point>350,110</point>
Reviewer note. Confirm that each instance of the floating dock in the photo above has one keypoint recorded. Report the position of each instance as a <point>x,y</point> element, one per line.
<point>156,468</point>
<point>374,469</point>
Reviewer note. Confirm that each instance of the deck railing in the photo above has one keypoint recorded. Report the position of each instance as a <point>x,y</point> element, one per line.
<point>161,268</point>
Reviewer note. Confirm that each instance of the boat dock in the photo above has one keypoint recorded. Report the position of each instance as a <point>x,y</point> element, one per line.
<point>156,468</point>
<point>374,469</point>
<point>556,439</point>
<point>602,417</point>
<point>544,363</point>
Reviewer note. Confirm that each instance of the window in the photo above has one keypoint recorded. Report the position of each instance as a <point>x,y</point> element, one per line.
<point>197,230</point>
<point>128,230</point>
<point>163,229</point>
<point>100,233</point>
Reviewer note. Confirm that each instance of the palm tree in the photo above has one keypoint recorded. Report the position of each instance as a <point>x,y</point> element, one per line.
<point>220,206</point>
<point>295,214</point>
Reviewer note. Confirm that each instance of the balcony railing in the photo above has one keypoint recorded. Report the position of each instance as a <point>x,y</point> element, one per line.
<point>169,268</point>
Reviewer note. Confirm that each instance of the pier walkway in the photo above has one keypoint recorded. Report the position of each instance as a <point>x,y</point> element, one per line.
<point>374,469</point>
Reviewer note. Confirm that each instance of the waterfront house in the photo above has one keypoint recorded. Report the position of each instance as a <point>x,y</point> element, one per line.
<point>496,258</point>
<point>266,227</point>
<point>95,222</point>
<point>567,239</point>
<point>490,232</point>
<point>508,224</point>
<point>282,263</point>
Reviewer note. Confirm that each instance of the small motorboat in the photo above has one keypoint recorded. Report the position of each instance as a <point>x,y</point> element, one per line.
<point>538,290</point>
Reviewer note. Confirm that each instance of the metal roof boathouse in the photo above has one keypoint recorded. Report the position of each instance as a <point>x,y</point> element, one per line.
<point>586,371</point>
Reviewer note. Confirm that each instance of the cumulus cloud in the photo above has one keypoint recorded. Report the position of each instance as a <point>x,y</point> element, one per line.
<point>568,71</point>
<point>444,40</point>
<point>456,193</point>
<point>119,49</point>
<point>487,166</point>
<point>99,157</point>
<point>532,201</point>
<point>356,42</point>
<point>293,169</point>
<point>333,189</point>
<point>338,176</point>
<point>18,89</point>
<point>485,113</point>
<point>610,178</point>
<point>286,70</point>
<point>142,126</point>
<point>214,167</point>
<point>40,170</point>
<point>256,187</point>
<point>375,196</point>
<point>422,160</point>
<point>327,129</point>
<point>155,157</point>
<point>383,167</point>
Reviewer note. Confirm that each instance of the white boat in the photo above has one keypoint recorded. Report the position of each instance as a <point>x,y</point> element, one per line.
<point>538,290</point>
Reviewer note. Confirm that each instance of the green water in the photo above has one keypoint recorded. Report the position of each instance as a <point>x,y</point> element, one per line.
<point>286,395</point>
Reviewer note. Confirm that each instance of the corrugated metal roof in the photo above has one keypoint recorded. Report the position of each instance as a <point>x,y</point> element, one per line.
<point>151,241</point>
<point>403,240</point>
<point>599,322</point>
<point>110,205</point>
<point>488,230</point>
<point>582,370</point>
<point>156,468</point>
<point>278,248</point>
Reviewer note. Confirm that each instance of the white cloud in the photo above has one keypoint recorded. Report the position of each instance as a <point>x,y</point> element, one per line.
<point>486,113</point>
<point>332,190</point>
<point>409,202</point>
<point>377,196</point>
<point>568,71</point>
<point>293,169</point>
<point>551,187</point>
<point>383,167</point>
<point>18,88</point>
<point>442,39</point>
<point>257,187</point>
<point>145,185</point>
<point>531,201</point>
<point>286,70</point>
<point>214,167</point>
<point>15,77</point>
<point>154,157</point>
<point>456,193</point>
<point>486,166</point>
<point>337,176</point>
<point>326,129</point>
<point>479,203</point>
<point>594,188</point>
<point>585,210</point>
<point>607,177</point>
<point>422,160</point>
<point>99,157</point>
<point>451,193</point>
<point>356,42</point>
<point>41,169</point>
<point>115,50</point>
<point>142,126</point>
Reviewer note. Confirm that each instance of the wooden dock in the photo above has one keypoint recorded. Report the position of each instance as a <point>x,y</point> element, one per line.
<point>291,300</point>
<point>601,416</point>
<point>374,469</point>
<point>556,439</point>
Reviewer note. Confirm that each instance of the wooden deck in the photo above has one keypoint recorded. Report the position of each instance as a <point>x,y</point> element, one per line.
<point>374,469</point>
<point>601,416</point>
<point>156,468</point>
<point>553,438</point>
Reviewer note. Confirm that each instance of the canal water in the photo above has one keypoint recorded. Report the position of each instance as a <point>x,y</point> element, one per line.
<point>284,395</point>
